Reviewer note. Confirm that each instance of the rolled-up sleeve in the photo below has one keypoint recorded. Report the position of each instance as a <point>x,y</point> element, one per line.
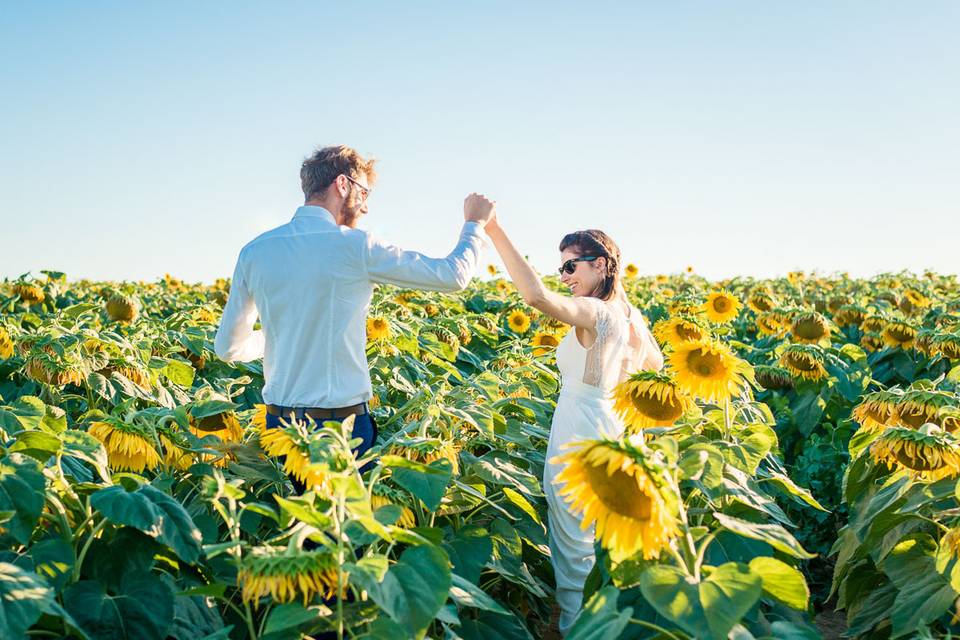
<point>392,265</point>
<point>236,339</point>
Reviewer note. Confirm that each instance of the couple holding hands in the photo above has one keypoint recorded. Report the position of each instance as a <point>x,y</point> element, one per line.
<point>310,282</point>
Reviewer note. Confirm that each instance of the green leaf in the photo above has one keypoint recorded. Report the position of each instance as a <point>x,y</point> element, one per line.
<point>492,626</point>
<point>153,512</point>
<point>195,617</point>
<point>23,597</point>
<point>30,411</point>
<point>428,482</point>
<point>524,505</point>
<point>467,594</point>
<point>807,410</point>
<point>207,408</point>
<point>83,446</point>
<point>773,534</point>
<point>924,594</point>
<point>708,609</point>
<point>415,588</point>
<point>37,444</point>
<point>782,582</point>
<point>22,488</point>
<point>53,558</point>
<point>141,610</point>
<point>179,372</point>
<point>469,552</point>
<point>286,617</point>
<point>791,487</point>
<point>600,618</point>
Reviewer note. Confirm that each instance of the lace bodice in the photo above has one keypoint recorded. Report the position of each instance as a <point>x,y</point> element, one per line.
<point>618,351</point>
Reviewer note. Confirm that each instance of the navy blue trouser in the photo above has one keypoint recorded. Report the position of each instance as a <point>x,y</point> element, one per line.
<point>364,427</point>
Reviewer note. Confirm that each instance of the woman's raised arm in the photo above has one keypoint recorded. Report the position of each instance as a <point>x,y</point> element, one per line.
<point>579,312</point>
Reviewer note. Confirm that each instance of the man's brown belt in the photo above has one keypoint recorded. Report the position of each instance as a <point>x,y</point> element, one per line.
<point>316,413</point>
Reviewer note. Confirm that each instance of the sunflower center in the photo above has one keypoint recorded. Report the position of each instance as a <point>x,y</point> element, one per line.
<point>915,416</point>
<point>706,364</point>
<point>901,333</point>
<point>721,305</point>
<point>548,341</point>
<point>665,408</point>
<point>619,492</point>
<point>809,329</point>
<point>689,332</point>
<point>921,461</point>
<point>801,362</point>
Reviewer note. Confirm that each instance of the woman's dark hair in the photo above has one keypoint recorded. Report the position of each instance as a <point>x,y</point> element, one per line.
<point>594,242</point>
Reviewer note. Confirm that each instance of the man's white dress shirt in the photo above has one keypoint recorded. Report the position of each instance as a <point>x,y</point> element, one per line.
<point>310,282</point>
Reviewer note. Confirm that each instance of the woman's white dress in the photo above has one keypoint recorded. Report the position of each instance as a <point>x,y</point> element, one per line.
<point>585,411</point>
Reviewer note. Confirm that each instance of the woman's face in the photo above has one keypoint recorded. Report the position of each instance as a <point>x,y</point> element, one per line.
<point>587,275</point>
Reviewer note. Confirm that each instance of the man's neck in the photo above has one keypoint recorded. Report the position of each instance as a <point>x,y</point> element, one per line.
<point>324,204</point>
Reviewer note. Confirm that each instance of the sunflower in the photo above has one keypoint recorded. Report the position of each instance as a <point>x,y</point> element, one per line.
<point>29,293</point>
<point>899,334</point>
<point>650,399</point>
<point>835,303</point>
<point>132,374</point>
<point>772,378</point>
<point>121,308</point>
<point>689,269</point>
<point>873,323</point>
<point>849,315</point>
<point>708,369</point>
<point>285,574</point>
<point>924,341</point>
<point>631,270</point>
<point>377,329</point>
<point>173,455</point>
<point>769,324</point>
<point>761,301</point>
<point>383,496</point>
<point>492,269</point>
<point>128,447</point>
<point>947,345</point>
<point>6,344</point>
<point>42,369</point>
<point>503,286</point>
<point>487,323</point>
<point>544,342</point>
<point>426,450</point>
<point>927,453</point>
<point>872,342</point>
<point>614,487</point>
<point>810,328</point>
<point>721,306</point>
<point>919,406</point>
<point>403,298</point>
<point>803,361</point>
<point>289,443</point>
<point>678,330</point>
<point>224,426</point>
<point>518,321</point>
<point>877,410</point>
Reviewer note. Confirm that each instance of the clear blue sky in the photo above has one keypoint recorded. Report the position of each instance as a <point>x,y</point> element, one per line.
<point>737,137</point>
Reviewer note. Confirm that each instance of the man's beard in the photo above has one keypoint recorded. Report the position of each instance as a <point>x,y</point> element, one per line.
<point>350,210</point>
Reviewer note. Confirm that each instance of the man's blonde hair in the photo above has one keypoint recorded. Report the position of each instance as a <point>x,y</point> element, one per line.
<point>319,171</point>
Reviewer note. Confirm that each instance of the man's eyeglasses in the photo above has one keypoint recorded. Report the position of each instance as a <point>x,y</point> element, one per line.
<point>571,265</point>
<point>364,191</point>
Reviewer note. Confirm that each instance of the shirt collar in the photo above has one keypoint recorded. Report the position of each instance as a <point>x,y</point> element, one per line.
<point>313,211</point>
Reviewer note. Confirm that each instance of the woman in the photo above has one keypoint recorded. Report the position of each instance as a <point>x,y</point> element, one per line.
<point>610,341</point>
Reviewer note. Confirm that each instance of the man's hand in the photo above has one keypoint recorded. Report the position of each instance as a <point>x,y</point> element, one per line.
<point>477,208</point>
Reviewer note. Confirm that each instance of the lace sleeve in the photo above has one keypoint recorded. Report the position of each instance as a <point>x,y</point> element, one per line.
<point>596,354</point>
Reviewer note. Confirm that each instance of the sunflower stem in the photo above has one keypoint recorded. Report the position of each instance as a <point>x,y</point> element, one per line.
<point>86,547</point>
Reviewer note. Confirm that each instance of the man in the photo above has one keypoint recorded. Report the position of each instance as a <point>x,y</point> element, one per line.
<point>310,282</point>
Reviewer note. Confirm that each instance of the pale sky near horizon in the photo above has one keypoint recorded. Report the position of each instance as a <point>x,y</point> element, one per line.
<point>739,138</point>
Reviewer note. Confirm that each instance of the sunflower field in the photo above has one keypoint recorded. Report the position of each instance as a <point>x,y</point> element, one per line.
<point>798,455</point>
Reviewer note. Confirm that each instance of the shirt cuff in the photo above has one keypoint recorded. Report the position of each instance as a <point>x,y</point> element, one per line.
<point>472,228</point>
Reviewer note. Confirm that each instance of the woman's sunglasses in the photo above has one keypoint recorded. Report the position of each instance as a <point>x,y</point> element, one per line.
<point>571,265</point>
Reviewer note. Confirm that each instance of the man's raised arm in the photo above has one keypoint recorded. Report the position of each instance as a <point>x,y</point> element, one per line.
<point>410,269</point>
